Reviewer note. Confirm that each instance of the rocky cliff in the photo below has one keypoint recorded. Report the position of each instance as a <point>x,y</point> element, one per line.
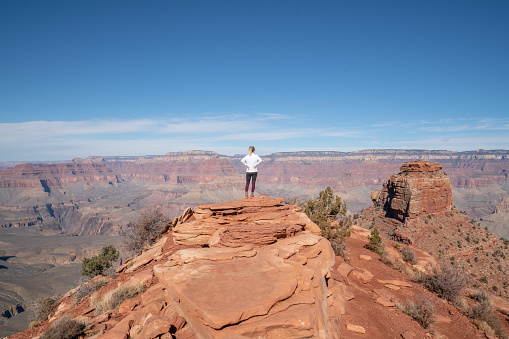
<point>275,284</point>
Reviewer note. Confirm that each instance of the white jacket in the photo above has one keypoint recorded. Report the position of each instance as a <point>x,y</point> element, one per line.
<point>251,161</point>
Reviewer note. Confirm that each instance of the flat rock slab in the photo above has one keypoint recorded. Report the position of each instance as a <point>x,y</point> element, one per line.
<point>228,303</point>
<point>363,275</point>
<point>355,328</point>
<point>395,282</point>
<point>385,302</point>
<point>261,201</point>
<point>344,269</point>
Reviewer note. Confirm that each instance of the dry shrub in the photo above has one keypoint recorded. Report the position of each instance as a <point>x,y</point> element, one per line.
<point>483,326</point>
<point>408,256</point>
<point>145,231</point>
<point>389,261</point>
<point>89,287</point>
<point>422,311</point>
<point>65,328</point>
<point>447,281</point>
<point>483,308</point>
<point>42,308</point>
<point>484,318</point>
<point>114,298</point>
<point>497,325</point>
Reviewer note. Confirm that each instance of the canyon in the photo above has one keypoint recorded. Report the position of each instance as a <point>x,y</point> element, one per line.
<point>102,195</point>
<point>98,197</point>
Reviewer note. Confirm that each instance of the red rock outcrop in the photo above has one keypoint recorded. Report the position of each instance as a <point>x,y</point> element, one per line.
<point>270,291</point>
<point>276,282</point>
<point>420,188</point>
<point>258,222</point>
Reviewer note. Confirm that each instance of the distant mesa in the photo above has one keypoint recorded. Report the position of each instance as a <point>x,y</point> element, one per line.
<point>420,188</point>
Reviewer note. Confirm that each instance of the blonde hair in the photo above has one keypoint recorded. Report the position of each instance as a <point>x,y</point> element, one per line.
<point>251,149</point>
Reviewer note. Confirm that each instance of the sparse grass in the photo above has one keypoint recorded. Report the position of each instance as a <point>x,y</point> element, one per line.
<point>65,328</point>
<point>114,298</point>
<point>446,280</point>
<point>422,311</point>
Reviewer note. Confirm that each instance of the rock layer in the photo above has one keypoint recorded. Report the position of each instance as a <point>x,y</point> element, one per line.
<point>420,188</point>
<point>259,221</point>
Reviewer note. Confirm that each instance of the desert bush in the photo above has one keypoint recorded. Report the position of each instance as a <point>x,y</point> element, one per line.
<point>422,311</point>
<point>496,325</point>
<point>65,328</point>
<point>324,210</point>
<point>42,308</point>
<point>375,242</point>
<point>408,255</point>
<point>98,264</point>
<point>88,287</point>
<point>145,231</point>
<point>446,280</point>
<point>483,316</point>
<point>483,306</point>
<point>114,298</point>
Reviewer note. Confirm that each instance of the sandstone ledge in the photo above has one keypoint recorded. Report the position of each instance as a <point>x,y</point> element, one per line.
<point>258,221</point>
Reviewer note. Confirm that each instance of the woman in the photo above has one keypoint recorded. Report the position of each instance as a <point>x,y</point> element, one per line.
<point>251,161</point>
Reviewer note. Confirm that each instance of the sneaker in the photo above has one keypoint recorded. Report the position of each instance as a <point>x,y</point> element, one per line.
<point>252,196</point>
<point>247,196</point>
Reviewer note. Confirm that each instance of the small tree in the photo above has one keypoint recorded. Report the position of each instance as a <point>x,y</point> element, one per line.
<point>97,265</point>
<point>375,242</point>
<point>323,211</point>
<point>145,231</point>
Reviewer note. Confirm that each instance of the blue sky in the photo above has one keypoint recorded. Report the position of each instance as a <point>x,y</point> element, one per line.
<point>81,78</point>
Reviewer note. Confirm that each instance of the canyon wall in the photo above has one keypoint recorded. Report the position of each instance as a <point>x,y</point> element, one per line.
<point>101,195</point>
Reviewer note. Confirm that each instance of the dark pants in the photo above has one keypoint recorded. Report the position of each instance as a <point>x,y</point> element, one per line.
<point>251,176</point>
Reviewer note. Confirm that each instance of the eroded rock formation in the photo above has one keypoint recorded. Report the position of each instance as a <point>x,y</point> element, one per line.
<point>420,188</point>
<point>258,222</point>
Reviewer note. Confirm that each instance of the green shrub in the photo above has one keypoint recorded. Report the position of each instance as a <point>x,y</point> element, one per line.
<point>97,265</point>
<point>65,328</point>
<point>145,231</point>
<point>446,280</point>
<point>375,242</point>
<point>324,210</point>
